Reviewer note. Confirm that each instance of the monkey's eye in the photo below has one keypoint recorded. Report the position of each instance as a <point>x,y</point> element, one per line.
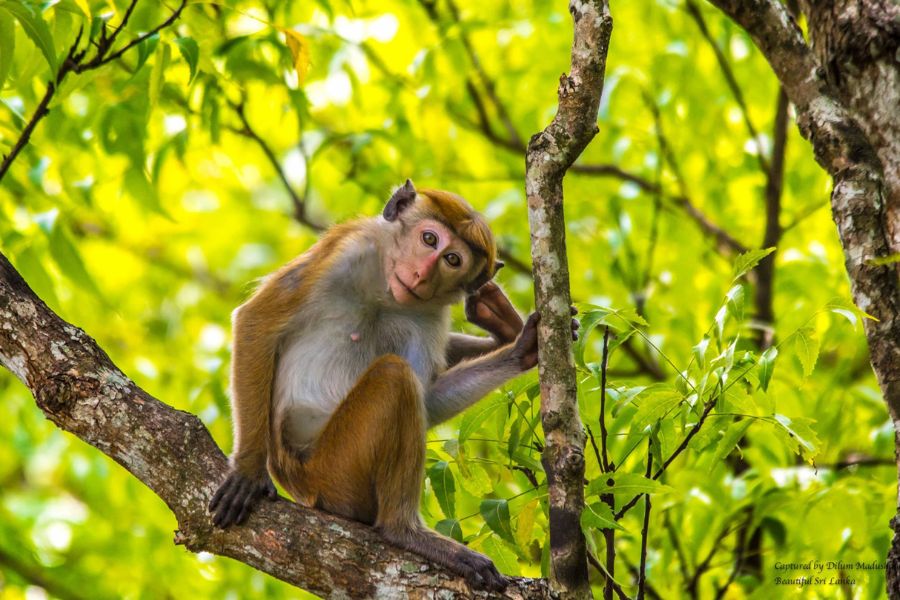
<point>430,239</point>
<point>453,259</point>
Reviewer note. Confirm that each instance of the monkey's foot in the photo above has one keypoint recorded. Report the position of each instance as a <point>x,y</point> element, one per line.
<point>236,497</point>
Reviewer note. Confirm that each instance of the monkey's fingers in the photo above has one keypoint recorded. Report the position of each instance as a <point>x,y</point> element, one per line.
<point>224,490</point>
<point>576,325</point>
<point>239,499</point>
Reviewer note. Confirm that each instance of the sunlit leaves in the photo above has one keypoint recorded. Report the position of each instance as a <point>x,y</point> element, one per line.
<point>478,414</point>
<point>746,261</point>
<point>766,366</point>
<point>158,74</point>
<point>190,51</point>
<point>450,528</point>
<point>799,435</point>
<point>299,47</point>
<point>7,45</point>
<point>599,515</point>
<point>504,558</point>
<point>32,22</point>
<point>69,259</point>
<point>806,345</point>
<point>444,487</point>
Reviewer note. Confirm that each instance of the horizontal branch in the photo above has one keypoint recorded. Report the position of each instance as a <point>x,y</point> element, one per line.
<point>80,390</point>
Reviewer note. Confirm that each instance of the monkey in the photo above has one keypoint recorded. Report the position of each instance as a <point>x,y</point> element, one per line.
<point>343,358</point>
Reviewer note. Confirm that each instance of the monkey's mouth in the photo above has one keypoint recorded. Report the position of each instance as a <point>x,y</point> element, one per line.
<point>407,288</point>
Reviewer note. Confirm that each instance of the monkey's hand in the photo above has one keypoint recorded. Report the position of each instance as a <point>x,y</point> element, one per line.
<point>237,496</point>
<point>525,350</point>
<point>489,308</point>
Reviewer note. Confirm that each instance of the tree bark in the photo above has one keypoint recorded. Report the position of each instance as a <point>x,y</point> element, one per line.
<point>846,93</point>
<point>549,155</point>
<point>80,390</point>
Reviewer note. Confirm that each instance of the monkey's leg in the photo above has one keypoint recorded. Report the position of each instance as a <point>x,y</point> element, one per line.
<point>368,465</point>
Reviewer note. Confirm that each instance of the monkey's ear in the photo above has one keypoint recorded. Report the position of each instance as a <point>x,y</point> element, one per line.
<point>400,201</point>
<point>499,264</point>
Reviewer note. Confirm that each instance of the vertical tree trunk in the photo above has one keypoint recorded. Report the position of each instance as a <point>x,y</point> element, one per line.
<point>550,153</point>
<point>847,91</point>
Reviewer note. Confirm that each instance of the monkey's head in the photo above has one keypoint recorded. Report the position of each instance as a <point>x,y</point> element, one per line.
<point>442,249</point>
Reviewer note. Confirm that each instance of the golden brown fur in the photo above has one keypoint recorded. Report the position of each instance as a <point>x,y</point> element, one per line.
<point>340,364</point>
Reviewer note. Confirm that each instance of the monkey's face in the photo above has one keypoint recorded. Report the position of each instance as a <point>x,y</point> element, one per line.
<point>429,264</point>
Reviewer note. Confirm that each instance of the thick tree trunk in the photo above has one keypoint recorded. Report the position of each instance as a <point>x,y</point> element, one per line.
<point>856,41</point>
<point>79,388</point>
<point>847,93</point>
<point>550,153</point>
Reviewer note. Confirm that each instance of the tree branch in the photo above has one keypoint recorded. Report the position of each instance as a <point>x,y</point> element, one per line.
<point>80,390</point>
<point>549,155</point>
<point>73,63</point>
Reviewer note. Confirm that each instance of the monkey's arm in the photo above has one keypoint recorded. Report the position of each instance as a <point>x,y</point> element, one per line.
<point>468,382</point>
<point>461,346</point>
<point>465,384</point>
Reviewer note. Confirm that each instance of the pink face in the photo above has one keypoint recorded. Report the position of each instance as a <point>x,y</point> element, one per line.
<point>430,262</point>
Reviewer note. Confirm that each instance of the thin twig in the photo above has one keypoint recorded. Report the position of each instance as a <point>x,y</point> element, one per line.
<point>675,454</point>
<point>765,271</point>
<point>676,545</point>
<point>615,586</point>
<point>604,434</point>
<point>645,528</point>
<point>298,202</point>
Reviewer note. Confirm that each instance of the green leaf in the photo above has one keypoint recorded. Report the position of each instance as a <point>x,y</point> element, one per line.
<point>482,411</point>
<point>28,261</point>
<point>525,523</point>
<point>799,435</point>
<point>515,431</point>
<point>699,351</point>
<point>477,483</point>
<point>734,301</point>
<point>69,260</point>
<point>442,483</point>
<point>158,73</point>
<point>806,345</point>
<point>848,310</point>
<point>589,320</point>
<point>7,45</point>
<point>732,437</point>
<point>450,528</point>
<point>190,52</point>
<point>766,366</point>
<point>746,261</point>
<point>496,514</point>
<point>35,28</point>
<point>599,515</point>
<point>654,405</point>
<point>146,48</point>
<point>504,559</point>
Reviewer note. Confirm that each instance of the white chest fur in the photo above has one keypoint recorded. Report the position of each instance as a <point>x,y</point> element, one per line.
<point>331,346</point>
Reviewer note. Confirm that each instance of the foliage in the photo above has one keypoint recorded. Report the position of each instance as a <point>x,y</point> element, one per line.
<point>147,203</point>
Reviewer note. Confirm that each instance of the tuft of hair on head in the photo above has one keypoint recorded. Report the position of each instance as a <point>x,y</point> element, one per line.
<point>467,223</point>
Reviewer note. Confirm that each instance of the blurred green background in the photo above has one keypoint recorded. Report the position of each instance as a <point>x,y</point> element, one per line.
<point>148,203</point>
